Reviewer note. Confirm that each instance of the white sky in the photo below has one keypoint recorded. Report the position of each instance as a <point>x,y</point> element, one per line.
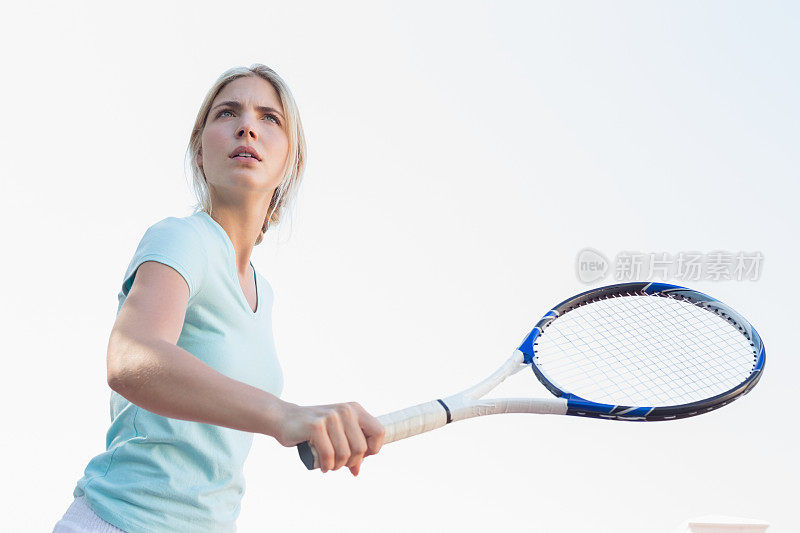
<point>461,154</point>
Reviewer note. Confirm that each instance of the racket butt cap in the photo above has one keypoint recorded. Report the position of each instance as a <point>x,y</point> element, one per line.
<point>306,455</point>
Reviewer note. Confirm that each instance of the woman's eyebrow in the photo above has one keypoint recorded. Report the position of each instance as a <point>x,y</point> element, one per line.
<point>236,105</point>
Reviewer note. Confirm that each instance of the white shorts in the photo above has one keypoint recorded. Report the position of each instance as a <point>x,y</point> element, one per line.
<point>80,518</point>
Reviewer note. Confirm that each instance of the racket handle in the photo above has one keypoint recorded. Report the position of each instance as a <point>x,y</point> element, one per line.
<point>398,425</point>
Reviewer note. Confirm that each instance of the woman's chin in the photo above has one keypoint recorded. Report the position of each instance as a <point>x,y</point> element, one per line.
<point>247,180</point>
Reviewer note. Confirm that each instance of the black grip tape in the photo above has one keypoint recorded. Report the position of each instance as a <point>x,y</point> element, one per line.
<point>447,410</point>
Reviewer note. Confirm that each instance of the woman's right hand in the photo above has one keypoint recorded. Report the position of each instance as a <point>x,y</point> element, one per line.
<point>343,434</point>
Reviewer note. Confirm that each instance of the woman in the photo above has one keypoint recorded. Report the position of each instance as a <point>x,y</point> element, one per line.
<point>191,359</point>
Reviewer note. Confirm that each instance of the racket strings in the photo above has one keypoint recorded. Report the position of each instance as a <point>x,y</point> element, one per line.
<point>665,372</point>
<point>666,367</point>
<point>644,351</point>
<point>622,364</point>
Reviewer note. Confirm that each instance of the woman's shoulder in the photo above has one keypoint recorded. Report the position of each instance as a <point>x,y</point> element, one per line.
<point>185,229</point>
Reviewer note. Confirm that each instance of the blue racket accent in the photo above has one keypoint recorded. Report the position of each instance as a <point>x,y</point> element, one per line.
<point>527,345</point>
<point>579,407</point>
<point>624,357</point>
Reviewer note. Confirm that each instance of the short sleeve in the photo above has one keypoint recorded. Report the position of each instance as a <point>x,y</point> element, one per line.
<point>176,243</point>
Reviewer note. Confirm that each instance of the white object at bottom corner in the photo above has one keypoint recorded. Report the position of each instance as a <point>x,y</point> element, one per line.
<point>722,524</point>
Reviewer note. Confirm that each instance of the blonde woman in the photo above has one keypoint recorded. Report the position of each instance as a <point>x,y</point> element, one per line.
<point>191,358</point>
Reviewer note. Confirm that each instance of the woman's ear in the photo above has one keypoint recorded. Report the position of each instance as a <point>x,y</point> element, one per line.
<point>200,159</point>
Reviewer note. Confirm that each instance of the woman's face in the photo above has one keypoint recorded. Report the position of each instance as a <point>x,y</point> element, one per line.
<point>246,113</point>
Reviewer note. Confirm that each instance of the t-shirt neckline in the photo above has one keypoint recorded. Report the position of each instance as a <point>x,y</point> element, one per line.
<point>232,267</point>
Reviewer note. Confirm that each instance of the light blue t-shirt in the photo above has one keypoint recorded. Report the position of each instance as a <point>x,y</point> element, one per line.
<point>164,474</point>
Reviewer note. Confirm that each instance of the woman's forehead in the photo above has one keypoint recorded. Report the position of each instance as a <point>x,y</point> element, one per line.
<point>250,91</point>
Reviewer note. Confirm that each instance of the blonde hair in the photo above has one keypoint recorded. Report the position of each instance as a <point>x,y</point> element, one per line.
<point>286,192</point>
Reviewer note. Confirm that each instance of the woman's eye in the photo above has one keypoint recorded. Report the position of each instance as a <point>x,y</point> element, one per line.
<point>273,117</point>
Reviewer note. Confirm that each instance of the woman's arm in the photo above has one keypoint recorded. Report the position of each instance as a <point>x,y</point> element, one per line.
<point>147,367</point>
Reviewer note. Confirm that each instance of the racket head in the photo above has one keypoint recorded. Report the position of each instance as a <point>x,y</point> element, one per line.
<point>644,351</point>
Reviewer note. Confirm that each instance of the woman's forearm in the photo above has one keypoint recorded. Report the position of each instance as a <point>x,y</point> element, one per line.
<point>167,380</point>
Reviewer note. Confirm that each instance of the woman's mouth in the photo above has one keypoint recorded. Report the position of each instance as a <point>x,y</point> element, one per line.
<point>245,158</point>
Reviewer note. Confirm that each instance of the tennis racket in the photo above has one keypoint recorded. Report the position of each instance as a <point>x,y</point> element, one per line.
<point>632,351</point>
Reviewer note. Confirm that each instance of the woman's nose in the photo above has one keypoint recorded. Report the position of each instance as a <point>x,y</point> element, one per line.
<point>246,130</point>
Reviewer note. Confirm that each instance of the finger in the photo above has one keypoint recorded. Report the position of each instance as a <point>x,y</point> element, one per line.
<point>322,444</point>
<point>341,449</point>
<point>374,432</point>
<point>355,435</point>
<point>354,469</point>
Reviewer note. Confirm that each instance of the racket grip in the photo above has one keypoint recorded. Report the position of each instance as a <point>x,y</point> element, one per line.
<point>398,425</point>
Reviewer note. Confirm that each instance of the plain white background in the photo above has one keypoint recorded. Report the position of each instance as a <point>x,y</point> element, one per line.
<point>460,156</point>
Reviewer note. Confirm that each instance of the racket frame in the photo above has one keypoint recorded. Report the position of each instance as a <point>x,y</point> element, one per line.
<point>577,406</point>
